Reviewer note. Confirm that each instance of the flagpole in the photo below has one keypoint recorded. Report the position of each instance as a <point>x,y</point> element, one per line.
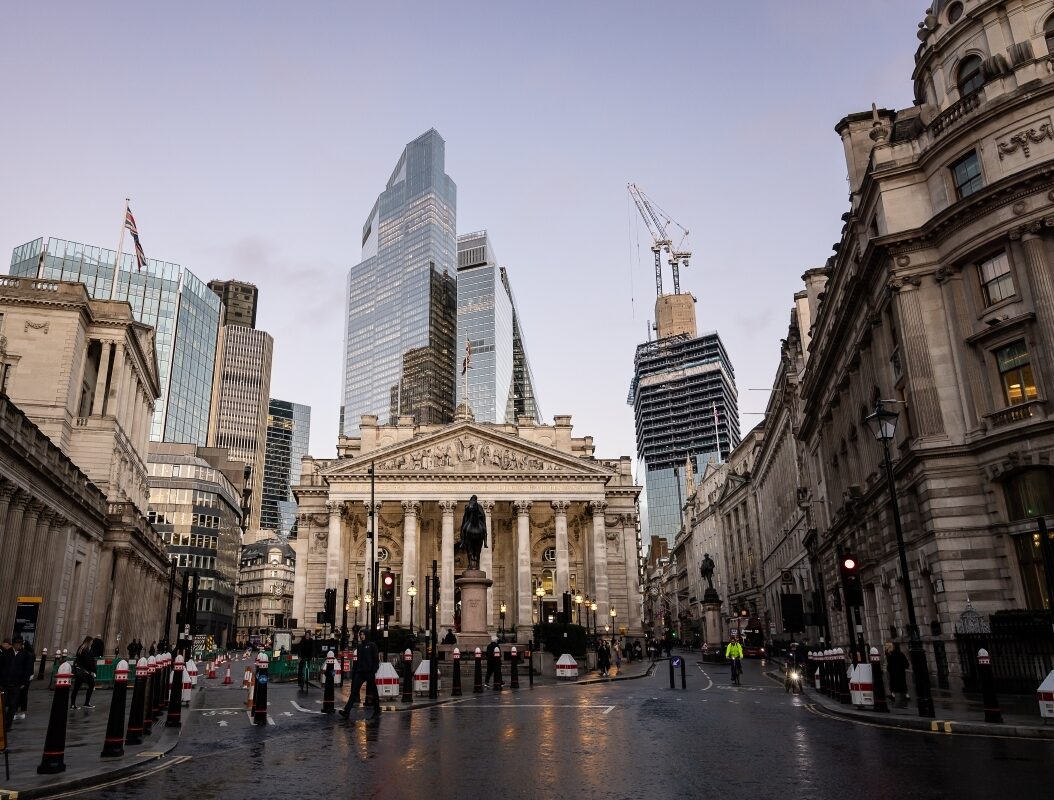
<point>120,247</point>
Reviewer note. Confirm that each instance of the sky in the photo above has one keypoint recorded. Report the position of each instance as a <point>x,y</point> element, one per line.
<point>253,139</point>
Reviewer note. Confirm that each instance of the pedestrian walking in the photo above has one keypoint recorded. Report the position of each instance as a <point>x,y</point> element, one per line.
<point>8,683</point>
<point>638,652</point>
<point>84,672</point>
<point>367,661</point>
<point>616,652</point>
<point>897,666</point>
<point>603,657</point>
<point>305,651</point>
<point>493,661</point>
<point>22,664</point>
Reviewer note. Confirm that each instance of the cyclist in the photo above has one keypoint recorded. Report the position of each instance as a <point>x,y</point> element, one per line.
<point>734,653</point>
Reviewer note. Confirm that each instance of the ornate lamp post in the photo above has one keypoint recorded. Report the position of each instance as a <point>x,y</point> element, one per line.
<point>412,592</point>
<point>540,592</point>
<point>593,608</point>
<point>883,423</point>
<point>578,604</point>
<point>502,611</point>
<point>356,603</point>
<point>613,613</point>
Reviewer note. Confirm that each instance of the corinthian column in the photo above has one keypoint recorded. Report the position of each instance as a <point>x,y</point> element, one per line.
<point>486,555</point>
<point>411,513</point>
<point>1042,283</point>
<point>334,545</point>
<point>446,566</point>
<point>600,558</point>
<point>563,573</point>
<point>523,563</point>
<point>13,539</point>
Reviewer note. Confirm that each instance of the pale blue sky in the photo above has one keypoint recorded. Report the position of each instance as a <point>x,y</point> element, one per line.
<point>253,139</point>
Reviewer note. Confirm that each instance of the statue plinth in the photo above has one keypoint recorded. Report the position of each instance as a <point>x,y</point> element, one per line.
<point>714,632</point>
<point>473,584</point>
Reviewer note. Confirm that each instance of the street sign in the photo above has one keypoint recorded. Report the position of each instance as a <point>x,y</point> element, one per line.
<point>676,661</point>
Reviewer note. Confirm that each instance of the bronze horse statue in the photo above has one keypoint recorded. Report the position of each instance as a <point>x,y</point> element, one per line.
<point>473,532</point>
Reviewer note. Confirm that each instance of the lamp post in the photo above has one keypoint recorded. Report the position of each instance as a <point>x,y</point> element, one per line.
<point>355,604</point>
<point>883,424</point>
<point>593,608</point>
<point>578,604</point>
<point>502,609</point>
<point>412,591</point>
<point>540,592</point>
<point>613,613</point>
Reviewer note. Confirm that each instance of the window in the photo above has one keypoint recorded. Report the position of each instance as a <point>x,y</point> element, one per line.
<point>1029,494</point>
<point>1015,372</point>
<point>954,12</point>
<point>967,175</point>
<point>996,281</point>
<point>1048,34</point>
<point>971,76</point>
<point>1030,562</point>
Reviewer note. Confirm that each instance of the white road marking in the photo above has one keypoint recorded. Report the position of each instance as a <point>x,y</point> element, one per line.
<point>299,707</point>
<point>222,723</point>
<point>607,709</point>
<point>269,720</point>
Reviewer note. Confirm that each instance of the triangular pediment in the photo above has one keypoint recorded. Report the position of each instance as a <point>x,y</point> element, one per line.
<point>467,448</point>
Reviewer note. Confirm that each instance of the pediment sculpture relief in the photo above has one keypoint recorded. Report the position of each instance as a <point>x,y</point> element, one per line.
<point>465,453</point>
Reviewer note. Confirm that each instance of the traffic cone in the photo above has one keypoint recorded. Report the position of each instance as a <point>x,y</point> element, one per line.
<point>227,678</point>
<point>247,677</point>
<point>211,670</point>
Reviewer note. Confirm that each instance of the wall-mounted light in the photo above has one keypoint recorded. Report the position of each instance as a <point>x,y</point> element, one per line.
<point>938,586</point>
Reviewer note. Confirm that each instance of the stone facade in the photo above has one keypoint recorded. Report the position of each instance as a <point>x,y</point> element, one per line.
<point>83,374</point>
<point>265,588</point>
<point>557,517</point>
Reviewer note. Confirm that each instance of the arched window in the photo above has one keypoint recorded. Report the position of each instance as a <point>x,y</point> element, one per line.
<point>1048,33</point>
<point>1029,494</point>
<point>971,76</point>
<point>955,10</point>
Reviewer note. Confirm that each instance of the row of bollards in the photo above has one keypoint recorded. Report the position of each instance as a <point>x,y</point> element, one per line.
<point>148,702</point>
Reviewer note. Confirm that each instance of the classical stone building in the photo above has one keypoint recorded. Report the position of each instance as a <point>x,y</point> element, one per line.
<point>557,517</point>
<point>265,588</point>
<point>83,372</point>
<point>940,297</point>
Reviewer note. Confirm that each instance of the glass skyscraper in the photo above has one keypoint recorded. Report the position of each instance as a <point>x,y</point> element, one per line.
<point>400,320</point>
<point>499,382</point>
<point>182,310</point>
<point>685,407</point>
<point>288,435</point>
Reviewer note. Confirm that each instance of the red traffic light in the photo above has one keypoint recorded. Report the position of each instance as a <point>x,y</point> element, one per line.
<point>849,563</point>
<point>389,579</point>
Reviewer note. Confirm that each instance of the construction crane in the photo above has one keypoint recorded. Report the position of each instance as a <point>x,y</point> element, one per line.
<point>658,222</point>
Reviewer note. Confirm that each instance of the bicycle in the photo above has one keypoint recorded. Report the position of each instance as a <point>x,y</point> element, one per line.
<point>737,670</point>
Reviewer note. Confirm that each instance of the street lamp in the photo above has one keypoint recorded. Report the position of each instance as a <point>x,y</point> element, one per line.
<point>540,592</point>
<point>578,603</point>
<point>612,612</point>
<point>356,603</point>
<point>502,611</point>
<point>883,424</point>
<point>412,591</point>
<point>593,608</point>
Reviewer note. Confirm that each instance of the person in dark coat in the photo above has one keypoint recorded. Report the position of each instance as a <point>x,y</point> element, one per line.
<point>493,661</point>
<point>84,672</point>
<point>22,672</point>
<point>8,684</point>
<point>450,638</point>
<point>897,667</point>
<point>603,657</point>
<point>305,651</point>
<point>367,661</point>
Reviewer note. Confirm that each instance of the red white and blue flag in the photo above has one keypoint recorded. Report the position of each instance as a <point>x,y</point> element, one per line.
<point>129,223</point>
<point>468,357</point>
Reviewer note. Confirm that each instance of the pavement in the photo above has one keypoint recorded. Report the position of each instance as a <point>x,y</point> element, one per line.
<point>212,703</point>
<point>954,714</point>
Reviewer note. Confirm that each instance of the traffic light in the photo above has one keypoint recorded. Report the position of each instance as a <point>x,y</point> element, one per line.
<point>331,606</point>
<point>388,594</point>
<point>851,586</point>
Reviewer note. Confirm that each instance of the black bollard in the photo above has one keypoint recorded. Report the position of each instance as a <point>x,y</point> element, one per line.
<point>514,680</point>
<point>43,662</point>
<point>672,684</point>
<point>136,715</point>
<point>456,683</point>
<point>499,684</point>
<point>825,683</point>
<point>878,685</point>
<point>408,676</point>
<point>530,663</point>
<point>327,692</point>
<point>684,679</point>
<point>155,687</point>
<point>113,744</point>
<point>260,697</point>
<point>150,684</point>
<point>843,677</point>
<point>477,687</point>
<point>54,759</point>
<point>175,700</point>
<point>992,711</point>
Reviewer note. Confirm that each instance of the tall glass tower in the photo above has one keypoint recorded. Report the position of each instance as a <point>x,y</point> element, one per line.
<point>686,409</point>
<point>182,310</point>
<point>401,315</point>
<point>288,434</point>
<point>500,385</point>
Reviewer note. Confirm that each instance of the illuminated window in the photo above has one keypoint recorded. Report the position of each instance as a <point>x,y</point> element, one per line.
<point>1015,373</point>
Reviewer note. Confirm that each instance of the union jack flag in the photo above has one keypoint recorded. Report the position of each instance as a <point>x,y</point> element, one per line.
<point>467,362</point>
<point>129,223</point>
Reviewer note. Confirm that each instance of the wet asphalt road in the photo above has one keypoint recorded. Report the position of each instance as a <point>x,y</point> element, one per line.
<point>626,739</point>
